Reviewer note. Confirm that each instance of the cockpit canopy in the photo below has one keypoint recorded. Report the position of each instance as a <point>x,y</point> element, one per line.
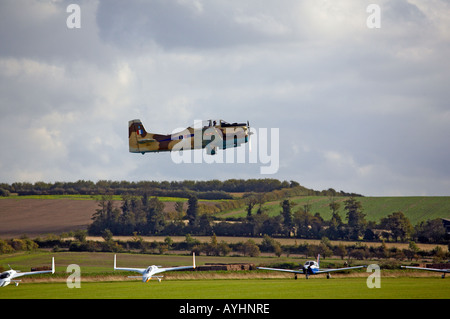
<point>220,123</point>
<point>209,123</point>
<point>5,275</point>
<point>311,263</point>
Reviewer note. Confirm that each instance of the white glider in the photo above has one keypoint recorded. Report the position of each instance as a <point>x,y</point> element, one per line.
<point>9,276</point>
<point>151,271</point>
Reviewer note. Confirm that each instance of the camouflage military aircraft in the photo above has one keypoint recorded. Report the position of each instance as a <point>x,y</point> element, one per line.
<point>210,134</point>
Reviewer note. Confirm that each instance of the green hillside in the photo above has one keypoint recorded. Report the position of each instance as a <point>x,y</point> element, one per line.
<point>417,209</point>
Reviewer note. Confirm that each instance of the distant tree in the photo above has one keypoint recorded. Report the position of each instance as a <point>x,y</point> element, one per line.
<point>107,235</point>
<point>398,224</point>
<point>336,227</point>
<point>179,206</point>
<point>154,210</point>
<point>251,202</point>
<point>105,217</point>
<point>272,225</point>
<point>204,225</point>
<point>430,231</point>
<point>412,251</point>
<point>168,241</point>
<point>80,235</point>
<point>340,251</point>
<point>334,206</point>
<point>224,248</point>
<point>302,221</point>
<point>5,248</point>
<point>355,217</point>
<point>287,216</point>
<point>325,247</point>
<point>268,244</point>
<point>294,184</point>
<point>192,211</point>
<point>4,192</point>
<point>249,248</point>
<point>191,242</point>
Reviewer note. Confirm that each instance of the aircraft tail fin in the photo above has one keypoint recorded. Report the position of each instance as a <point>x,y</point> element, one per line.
<point>193,259</point>
<point>318,260</point>
<point>136,131</point>
<point>53,265</point>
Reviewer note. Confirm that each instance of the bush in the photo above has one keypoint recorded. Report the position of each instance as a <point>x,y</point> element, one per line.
<point>5,248</point>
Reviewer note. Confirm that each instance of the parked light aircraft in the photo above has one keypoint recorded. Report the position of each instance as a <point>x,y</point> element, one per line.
<point>443,271</point>
<point>210,134</point>
<point>9,276</point>
<point>311,267</point>
<point>150,271</point>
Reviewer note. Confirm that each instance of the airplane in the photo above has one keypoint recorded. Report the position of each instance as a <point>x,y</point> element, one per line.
<point>211,134</point>
<point>9,276</point>
<point>150,271</point>
<point>311,267</point>
<point>443,271</point>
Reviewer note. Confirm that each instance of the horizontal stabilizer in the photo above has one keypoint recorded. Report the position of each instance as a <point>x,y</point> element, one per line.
<point>146,140</point>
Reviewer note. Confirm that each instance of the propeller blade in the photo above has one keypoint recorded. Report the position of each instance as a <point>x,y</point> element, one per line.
<point>249,138</point>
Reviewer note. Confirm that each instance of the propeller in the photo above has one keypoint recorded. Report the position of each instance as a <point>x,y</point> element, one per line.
<point>249,137</point>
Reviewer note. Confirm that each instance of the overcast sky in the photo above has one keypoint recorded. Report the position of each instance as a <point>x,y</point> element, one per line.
<point>357,109</point>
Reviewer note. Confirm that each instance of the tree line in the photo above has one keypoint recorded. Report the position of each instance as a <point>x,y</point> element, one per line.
<point>209,189</point>
<point>145,215</point>
<point>214,247</point>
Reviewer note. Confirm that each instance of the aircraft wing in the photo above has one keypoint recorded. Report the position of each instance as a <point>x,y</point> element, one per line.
<point>323,271</point>
<point>429,269</point>
<point>284,270</point>
<point>173,268</point>
<point>139,270</point>
<point>178,268</point>
<point>20,274</point>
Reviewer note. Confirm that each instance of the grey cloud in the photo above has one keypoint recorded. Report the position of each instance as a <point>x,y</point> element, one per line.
<point>184,24</point>
<point>358,109</point>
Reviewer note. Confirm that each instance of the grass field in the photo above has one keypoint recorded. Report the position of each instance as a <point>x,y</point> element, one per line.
<point>99,281</point>
<point>314,288</point>
<point>416,208</point>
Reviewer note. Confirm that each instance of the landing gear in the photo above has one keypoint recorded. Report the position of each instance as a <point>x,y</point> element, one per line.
<point>328,276</point>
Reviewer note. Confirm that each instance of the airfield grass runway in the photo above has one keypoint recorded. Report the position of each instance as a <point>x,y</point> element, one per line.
<point>314,288</point>
<point>99,281</point>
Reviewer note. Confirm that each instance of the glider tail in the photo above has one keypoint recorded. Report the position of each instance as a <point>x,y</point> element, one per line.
<point>193,260</point>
